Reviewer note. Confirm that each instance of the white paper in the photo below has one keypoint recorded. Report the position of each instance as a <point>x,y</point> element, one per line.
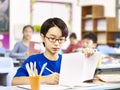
<point>89,25</point>
<point>76,68</point>
<point>101,25</point>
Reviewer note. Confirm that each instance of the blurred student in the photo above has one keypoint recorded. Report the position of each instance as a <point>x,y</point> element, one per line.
<point>20,49</point>
<point>89,40</point>
<point>74,45</point>
<point>2,49</point>
<point>53,32</point>
<point>89,44</point>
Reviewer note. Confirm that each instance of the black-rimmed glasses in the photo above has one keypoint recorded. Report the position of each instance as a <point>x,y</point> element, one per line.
<point>53,40</point>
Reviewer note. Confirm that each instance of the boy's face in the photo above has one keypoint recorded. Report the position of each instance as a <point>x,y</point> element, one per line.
<point>53,40</point>
<point>88,43</point>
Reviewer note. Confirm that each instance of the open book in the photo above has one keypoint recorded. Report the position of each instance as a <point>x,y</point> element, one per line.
<point>77,68</point>
<point>109,77</point>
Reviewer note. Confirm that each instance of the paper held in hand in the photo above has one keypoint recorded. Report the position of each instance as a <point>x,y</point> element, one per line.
<point>76,68</point>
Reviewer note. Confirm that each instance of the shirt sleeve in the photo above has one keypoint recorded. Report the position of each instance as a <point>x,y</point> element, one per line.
<point>21,72</point>
<point>14,53</point>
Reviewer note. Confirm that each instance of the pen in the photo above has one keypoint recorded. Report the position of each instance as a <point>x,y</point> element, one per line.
<point>24,87</point>
<point>49,70</point>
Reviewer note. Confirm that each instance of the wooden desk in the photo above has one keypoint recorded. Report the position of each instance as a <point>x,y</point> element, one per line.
<point>5,70</point>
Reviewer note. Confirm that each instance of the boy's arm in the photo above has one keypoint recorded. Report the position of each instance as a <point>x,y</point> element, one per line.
<point>49,79</point>
<point>20,80</point>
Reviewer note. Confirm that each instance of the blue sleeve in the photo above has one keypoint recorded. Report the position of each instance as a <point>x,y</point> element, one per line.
<point>15,52</point>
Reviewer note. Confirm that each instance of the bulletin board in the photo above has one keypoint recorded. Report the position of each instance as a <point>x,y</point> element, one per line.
<point>4,38</point>
<point>42,10</point>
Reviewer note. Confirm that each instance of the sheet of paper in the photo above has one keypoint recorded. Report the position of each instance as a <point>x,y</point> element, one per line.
<point>89,66</point>
<point>88,25</point>
<point>101,25</point>
<point>76,68</point>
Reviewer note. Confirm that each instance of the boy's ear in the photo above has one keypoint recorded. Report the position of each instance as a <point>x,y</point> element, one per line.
<point>42,37</point>
<point>95,45</point>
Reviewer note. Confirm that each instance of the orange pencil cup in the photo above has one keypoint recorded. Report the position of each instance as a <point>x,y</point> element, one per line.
<point>35,82</point>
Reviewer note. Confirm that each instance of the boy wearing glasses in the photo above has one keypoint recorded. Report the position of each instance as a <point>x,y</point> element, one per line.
<point>54,32</point>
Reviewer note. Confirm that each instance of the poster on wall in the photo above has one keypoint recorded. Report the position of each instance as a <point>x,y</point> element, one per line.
<point>4,39</point>
<point>4,15</point>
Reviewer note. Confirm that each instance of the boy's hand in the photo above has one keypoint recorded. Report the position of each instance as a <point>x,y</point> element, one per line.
<point>53,78</point>
<point>88,51</point>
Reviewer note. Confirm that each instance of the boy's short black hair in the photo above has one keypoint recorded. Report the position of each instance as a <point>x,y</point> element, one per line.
<point>73,35</point>
<point>90,36</point>
<point>51,22</point>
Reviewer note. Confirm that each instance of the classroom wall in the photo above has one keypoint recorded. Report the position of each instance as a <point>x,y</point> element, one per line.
<point>20,15</point>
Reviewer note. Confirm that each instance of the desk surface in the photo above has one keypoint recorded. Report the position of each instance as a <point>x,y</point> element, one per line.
<point>57,87</point>
<point>109,66</point>
<point>5,70</point>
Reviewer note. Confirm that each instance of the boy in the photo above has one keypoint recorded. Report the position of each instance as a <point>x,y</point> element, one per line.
<point>53,32</point>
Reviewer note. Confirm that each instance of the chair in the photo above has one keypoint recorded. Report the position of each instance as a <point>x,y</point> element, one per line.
<point>6,71</point>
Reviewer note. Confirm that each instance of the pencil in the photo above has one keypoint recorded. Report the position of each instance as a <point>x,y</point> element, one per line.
<point>49,70</point>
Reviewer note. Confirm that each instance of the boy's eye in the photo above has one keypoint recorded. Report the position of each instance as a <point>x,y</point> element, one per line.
<point>61,39</point>
<point>52,38</point>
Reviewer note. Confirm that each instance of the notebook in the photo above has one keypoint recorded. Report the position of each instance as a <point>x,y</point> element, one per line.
<point>109,77</point>
<point>77,68</point>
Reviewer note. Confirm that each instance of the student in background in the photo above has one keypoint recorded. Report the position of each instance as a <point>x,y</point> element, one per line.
<point>89,40</point>
<point>53,32</point>
<point>74,45</point>
<point>20,50</point>
<point>2,49</point>
<point>89,44</point>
